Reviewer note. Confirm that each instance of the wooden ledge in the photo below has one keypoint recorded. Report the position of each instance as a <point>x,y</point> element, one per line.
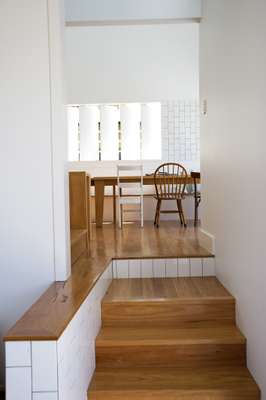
<point>52,312</point>
<point>48,317</point>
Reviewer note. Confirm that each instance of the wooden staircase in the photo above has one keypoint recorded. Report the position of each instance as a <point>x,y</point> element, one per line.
<point>170,339</point>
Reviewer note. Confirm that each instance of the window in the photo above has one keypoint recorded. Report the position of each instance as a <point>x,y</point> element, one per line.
<point>130,131</point>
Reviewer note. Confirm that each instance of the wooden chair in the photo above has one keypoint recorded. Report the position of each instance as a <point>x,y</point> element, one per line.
<point>197,196</point>
<point>169,187</point>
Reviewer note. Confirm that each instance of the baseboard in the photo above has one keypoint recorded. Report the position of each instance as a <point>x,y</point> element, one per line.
<point>207,241</point>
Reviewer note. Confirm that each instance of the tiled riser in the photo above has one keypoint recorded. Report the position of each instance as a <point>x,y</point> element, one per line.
<point>163,268</point>
<point>58,370</point>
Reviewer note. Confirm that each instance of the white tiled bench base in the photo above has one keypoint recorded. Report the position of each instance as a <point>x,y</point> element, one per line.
<point>58,370</point>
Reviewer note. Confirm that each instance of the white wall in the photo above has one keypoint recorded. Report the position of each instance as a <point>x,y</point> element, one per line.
<point>108,10</point>
<point>106,64</point>
<point>33,242</point>
<point>233,65</point>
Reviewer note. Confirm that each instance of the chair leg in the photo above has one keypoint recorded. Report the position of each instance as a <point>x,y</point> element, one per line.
<point>179,212</point>
<point>182,213</point>
<point>159,212</point>
<point>156,213</point>
<point>141,213</point>
<point>196,213</point>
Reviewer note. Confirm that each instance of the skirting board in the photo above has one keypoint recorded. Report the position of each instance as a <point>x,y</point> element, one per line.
<point>207,241</point>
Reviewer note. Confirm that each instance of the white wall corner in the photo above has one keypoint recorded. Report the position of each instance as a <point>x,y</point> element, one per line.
<point>207,241</point>
<point>59,140</point>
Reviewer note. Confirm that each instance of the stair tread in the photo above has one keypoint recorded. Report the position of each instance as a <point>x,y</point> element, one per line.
<point>222,334</point>
<point>166,289</point>
<point>177,379</point>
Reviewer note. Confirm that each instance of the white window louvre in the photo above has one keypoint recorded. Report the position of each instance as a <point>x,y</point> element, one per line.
<point>151,131</point>
<point>89,117</point>
<point>130,131</point>
<point>109,116</point>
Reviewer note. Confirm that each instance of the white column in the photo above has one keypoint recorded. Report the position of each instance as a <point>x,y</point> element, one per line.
<point>89,117</point>
<point>130,128</point>
<point>110,116</point>
<point>151,131</point>
<point>72,127</point>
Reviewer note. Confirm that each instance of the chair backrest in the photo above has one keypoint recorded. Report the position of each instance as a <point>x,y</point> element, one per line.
<point>135,170</point>
<point>170,181</point>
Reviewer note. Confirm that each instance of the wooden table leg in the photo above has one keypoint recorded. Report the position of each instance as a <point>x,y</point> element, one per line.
<point>99,203</point>
<point>114,204</point>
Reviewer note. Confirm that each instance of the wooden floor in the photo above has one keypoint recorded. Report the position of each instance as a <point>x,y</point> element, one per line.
<point>48,317</point>
<point>170,240</point>
<point>170,339</point>
<point>166,288</point>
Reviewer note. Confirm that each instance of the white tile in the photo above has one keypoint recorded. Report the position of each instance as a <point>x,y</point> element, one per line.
<point>114,268</point>
<point>18,383</point>
<point>184,267</point>
<point>146,268</point>
<point>44,366</point>
<point>134,268</point>
<point>122,268</point>
<point>159,268</point>
<point>209,267</point>
<point>45,396</point>
<point>18,354</point>
<point>171,267</point>
<point>196,267</point>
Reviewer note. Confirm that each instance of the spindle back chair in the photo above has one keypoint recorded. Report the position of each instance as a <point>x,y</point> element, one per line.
<point>170,181</point>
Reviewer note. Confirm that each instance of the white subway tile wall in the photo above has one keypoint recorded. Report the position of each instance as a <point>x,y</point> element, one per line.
<point>180,131</point>
<point>164,268</point>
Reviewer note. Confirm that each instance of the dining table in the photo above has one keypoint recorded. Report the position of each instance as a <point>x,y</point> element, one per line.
<point>100,182</point>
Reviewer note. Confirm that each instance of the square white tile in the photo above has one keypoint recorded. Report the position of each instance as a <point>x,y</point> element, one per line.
<point>134,268</point>
<point>122,267</point>
<point>159,268</point>
<point>18,354</point>
<point>44,366</point>
<point>184,267</point>
<point>196,267</point>
<point>18,383</point>
<point>146,269</point>
<point>45,396</point>
<point>171,267</point>
<point>209,266</point>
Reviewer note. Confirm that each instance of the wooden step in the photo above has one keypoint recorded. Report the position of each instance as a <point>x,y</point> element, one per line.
<point>212,383</point>
<point>167,302</point>
<point>175,313</point>
<point>138,347</point>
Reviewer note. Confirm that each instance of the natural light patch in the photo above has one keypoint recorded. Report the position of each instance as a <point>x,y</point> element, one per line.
<point>130,131</point>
